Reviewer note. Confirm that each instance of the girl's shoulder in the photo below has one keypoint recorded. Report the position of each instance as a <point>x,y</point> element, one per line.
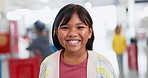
<point>51,58</point>
<point>49,65</point>
<point>98,56</point>
<point>101,60</point>
<point>104,66</point>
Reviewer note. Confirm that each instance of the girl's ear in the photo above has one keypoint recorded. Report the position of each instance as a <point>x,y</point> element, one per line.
<point>90,33</point>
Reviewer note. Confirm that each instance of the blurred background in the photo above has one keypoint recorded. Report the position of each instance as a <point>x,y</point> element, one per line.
<point>17,18</point>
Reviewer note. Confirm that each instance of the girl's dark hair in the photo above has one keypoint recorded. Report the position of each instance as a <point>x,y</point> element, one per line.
<point>65,15</point>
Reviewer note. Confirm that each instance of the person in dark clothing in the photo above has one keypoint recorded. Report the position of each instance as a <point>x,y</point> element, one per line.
<point>40,45</point>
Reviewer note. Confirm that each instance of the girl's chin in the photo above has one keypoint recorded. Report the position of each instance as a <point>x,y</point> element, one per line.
<point>73,49</point>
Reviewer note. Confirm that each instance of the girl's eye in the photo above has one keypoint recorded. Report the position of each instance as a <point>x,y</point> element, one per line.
<point>64,27</point>
<point>80,27</point>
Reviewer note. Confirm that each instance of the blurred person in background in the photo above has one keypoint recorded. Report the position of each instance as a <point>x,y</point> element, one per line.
<point>119,46</point>
<point>132,50</point>
<point>40,44</point>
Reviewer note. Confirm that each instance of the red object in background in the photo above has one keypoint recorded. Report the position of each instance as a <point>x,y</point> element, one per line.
<point>9,40</point>
<point>14,36</point>
<point>25,37</point>
<point>25,68</point>
<point>133,56</point>
<point>4,43</point>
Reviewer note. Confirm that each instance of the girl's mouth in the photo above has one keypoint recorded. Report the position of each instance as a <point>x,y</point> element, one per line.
<point>73,42</point>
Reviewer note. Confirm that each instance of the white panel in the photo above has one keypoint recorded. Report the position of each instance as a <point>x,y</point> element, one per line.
<point>38,4</point>
<point>5,69</point>
<point>102,2</point>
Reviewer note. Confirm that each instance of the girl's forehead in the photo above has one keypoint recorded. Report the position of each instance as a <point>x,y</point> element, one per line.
<point>71,24</point>
<point>69,16</point>
<point>66,18</point>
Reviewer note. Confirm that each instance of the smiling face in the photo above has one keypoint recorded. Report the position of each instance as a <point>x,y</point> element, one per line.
<point>74,35</point>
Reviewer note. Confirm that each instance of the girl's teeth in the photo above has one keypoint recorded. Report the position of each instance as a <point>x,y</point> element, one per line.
<point>73,41</point>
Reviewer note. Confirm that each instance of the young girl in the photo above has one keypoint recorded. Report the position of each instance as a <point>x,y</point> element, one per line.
<point>73,37</point>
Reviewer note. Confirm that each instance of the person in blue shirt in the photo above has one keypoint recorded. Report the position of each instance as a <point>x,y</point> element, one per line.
<point>40,45</point>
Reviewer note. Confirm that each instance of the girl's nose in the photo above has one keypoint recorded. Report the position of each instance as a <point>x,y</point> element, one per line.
<point>72,33</point>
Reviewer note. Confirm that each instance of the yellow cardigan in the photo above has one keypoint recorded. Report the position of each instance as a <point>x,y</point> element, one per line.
<point>119,44</point>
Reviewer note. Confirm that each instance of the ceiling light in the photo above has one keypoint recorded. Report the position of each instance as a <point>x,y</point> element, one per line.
<point>88,5</point>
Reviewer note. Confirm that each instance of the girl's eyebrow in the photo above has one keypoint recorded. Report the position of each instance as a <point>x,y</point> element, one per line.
<point>77,24</point>
<point>80,23</point>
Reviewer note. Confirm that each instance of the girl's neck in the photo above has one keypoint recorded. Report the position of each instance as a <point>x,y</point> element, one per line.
<point>75,58</point>
<point>75,54</point>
